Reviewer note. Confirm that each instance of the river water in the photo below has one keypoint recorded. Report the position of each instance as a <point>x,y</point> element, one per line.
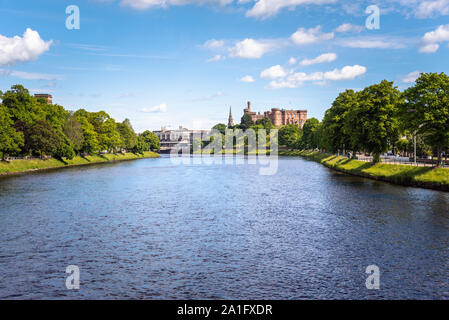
<point>156,230</point>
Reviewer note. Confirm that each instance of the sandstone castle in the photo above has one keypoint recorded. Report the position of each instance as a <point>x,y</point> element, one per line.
<point>278,116</point>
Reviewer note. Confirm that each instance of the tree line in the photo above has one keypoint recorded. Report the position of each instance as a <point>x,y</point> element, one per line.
<point>32,126</point>
<point>374,120</point>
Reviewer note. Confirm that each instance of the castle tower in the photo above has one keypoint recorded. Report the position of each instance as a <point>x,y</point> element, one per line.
<point>230,120</point>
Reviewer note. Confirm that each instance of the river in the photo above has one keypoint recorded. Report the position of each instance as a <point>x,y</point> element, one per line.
<point>150,229</point>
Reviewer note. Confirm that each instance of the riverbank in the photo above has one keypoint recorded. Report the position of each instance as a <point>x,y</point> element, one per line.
<point>424,177</point>
<point>21,166</point>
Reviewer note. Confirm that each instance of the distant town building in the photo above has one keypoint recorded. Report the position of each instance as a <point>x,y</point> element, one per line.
<point>170,138</point>
<point>230,120</point>
<point>279,116</point>
<point>46,96</point>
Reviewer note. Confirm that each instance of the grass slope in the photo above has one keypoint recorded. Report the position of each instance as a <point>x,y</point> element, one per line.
<point>427,177</point>
<point>17,166</point>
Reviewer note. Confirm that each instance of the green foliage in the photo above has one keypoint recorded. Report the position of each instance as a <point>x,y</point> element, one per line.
<point>310,130</point>
<point>266,123</point>
<point>44,138</point>
<point>127,135</point>
<point>334,134</point>
<point>10,139</point>
<point>152,140</point>
<point>402,145</point>
<point>373,124</point>
<point>220,127</point>
<point>426,110</point>
<point>246,121</point>
<point>141,145</point>
<point>73,131</point>
<point>289,135</point>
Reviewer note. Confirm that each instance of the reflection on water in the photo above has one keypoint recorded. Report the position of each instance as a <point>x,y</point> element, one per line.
<point>149,229</point>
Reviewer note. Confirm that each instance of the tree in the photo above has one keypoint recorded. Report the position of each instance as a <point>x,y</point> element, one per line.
<point>402,145</point>
<point>310,137</point>
<point>10,139</point>
<point>334,135</point>
<point>426,110</point>
<point>22,106</point>
<point>289,135</point>
<point>141,145</point>
<point>73,131</point>
<point>90,143</point>
<point>373,124</point>
<point>44,138</point>
<point>127,135</point>
<point>220,127</point>
<point>266,123</point>
<point>152,140</point>
<point>246,121</point>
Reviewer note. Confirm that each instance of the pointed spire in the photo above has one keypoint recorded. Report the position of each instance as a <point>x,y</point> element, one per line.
<point>230,120</point>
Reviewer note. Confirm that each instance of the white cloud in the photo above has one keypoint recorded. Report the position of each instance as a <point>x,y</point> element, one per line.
<point>428,9</point>
<point>346,73</point>
<point>214,44</point>
<point>248,79</point>
<point>430,40</point>
<point>267,8</point>
<point>273,72</point>
<point>215,58</point>
<point>159,108</point>
<point>325,57</point>
<point>251,49</point>
<point>22,49</point>
<point>411,77</point>
<point>297,79</point>
<point>348,27</point>
<point>149,4</point>
<point>307,36</point>
<point>30,75</point>
<point>291,61</point>
<point>372,43</point>
<point>429,48</point>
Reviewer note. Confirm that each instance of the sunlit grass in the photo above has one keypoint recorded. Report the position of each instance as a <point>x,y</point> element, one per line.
<point>15,166</point>
<point>402,174</point>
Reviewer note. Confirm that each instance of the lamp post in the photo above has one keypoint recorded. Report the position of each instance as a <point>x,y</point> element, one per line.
<point>414,151</point>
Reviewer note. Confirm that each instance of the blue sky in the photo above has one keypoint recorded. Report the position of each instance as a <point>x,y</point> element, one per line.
<point>184,62</point>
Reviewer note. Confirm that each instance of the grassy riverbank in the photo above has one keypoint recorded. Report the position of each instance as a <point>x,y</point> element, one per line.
<point>18,166</point>
<point>426,177</point>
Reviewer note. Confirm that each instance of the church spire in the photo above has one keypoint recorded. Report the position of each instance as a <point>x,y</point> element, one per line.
<point>230,120</point>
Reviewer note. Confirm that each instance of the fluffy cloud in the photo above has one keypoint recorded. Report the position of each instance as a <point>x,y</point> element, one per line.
<point>214,44</point>
<point>159,108</point>
<point>325,57</point>
<point>148,4</point>
<point>22,49</point>
<point>273,72</point>
<point>347,73</point>
<point>215,58</point>
<point>411,77</point>
<point>251,49</point>
<point>267,8</point>
<point>308,36</point>
<point>430,40</point>
<point>291,61</point>
<point>428,9</point>
<point>248,79</point>
<point>347,27</point>
<point>296,80</point>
